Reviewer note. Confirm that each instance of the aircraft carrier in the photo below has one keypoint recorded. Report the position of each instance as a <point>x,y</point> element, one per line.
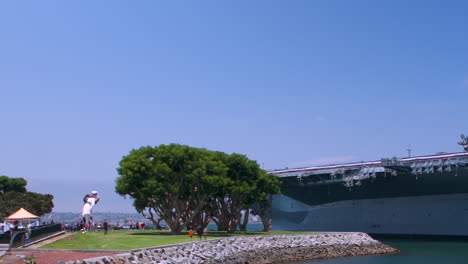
<point>424,195</point>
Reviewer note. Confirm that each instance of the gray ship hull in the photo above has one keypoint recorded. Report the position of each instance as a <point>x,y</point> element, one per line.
<point>413,196</point>
<point>419,215</point>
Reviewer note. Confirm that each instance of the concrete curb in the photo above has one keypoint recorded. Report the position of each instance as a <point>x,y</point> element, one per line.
<point>70,250</point>
<point>42,239</point>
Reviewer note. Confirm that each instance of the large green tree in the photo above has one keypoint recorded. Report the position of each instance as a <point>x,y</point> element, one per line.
<point>13,196</point>
<point>239,192</point>
<point>172,181</point>
<point>35,203</point>
<point>8,184</point>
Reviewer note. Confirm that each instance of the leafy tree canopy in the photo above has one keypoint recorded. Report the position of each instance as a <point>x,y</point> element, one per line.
<point>239,192</point>
<point>175,181</point>
<point>12,185</point>
<point>191,186</point>
<point>35,203</point>
<point>13,196</point>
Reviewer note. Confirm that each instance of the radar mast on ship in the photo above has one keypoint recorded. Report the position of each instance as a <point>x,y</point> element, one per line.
<point>464,142</point>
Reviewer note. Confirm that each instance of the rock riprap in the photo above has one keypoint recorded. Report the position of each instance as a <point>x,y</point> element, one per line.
<point>253,250</point>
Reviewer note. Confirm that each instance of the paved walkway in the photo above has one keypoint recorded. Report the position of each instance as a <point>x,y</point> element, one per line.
<point>49,240</point>
<point>3,249</point>
<point>51,255</point>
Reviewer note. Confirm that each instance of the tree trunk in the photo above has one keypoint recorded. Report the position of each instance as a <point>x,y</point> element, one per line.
<point>158,224</point>
<point>201,219</point>
<point>233,225</point>
<point>175,226</point>
<point>262,206</point>
<point>243,225</point>
<point>227,221</point>
<point>270,211</point>
<point>152,218</point>
<point>223,224</point>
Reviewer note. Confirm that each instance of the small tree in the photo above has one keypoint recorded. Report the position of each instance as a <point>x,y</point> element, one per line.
<point>269,185</point>
<point>239,192</point>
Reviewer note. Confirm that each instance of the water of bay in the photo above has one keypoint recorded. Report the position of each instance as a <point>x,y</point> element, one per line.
<point>412,252</point>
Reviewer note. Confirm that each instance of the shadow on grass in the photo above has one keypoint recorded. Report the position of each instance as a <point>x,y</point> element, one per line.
<point>210,233</point>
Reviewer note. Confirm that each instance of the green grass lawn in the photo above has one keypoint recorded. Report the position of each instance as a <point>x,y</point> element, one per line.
<point>134,239</point>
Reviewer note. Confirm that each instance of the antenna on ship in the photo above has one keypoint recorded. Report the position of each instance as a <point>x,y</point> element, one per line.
<point>464,142</point>
<point>409,149</point>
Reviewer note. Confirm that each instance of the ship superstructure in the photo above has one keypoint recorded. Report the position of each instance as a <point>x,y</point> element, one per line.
<point>414,195</point>
<point>464,142</point>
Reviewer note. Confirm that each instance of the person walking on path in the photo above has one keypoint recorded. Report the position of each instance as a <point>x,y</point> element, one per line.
<point>27,235</point>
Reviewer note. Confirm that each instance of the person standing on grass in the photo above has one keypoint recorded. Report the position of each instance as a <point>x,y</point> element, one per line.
<point>86,213</point>
<point>190,233</point>
<point>87,209</point>
<point>205,232</point>
<point>106,226</point>
<point>199,232</point>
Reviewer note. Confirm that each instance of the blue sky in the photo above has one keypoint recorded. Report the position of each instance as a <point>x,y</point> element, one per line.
<point>288,83</point>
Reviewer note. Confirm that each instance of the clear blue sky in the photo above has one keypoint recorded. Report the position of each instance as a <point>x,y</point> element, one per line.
<point>288,83</point>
